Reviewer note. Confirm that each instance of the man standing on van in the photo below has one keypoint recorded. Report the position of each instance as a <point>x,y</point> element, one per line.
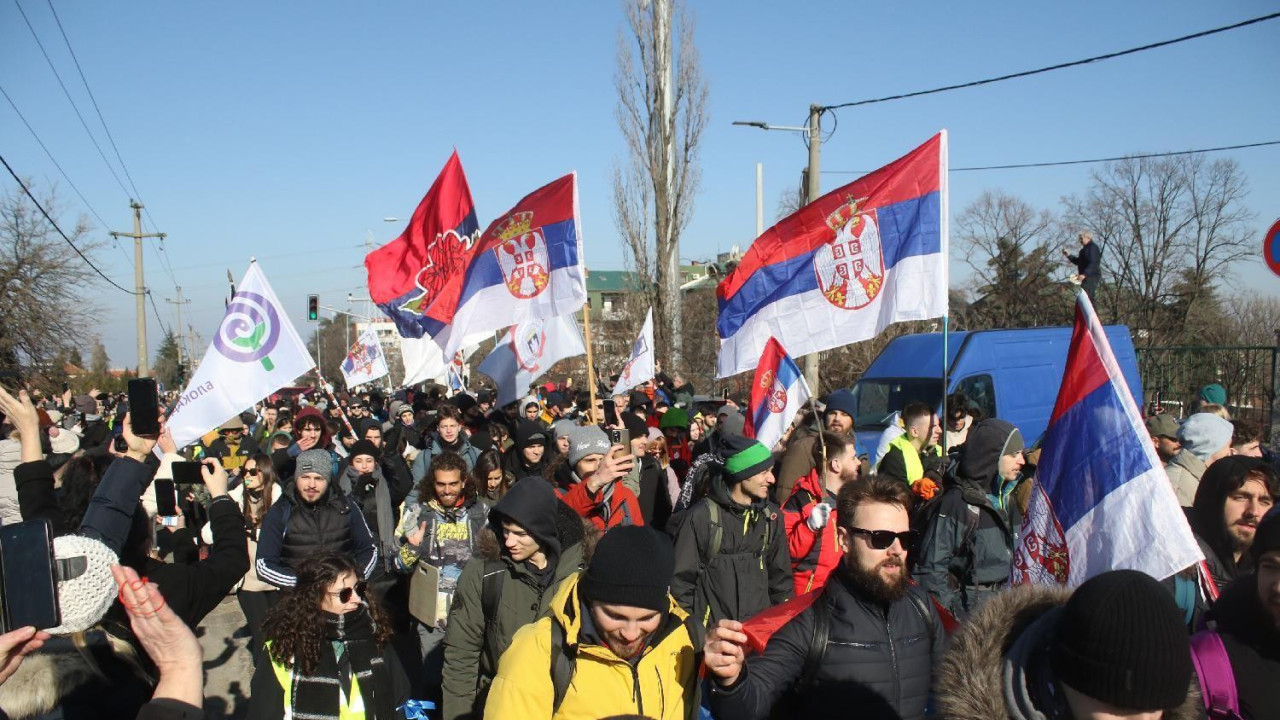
<point>1088,263</point>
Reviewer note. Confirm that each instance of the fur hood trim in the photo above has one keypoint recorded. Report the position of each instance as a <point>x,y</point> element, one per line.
<point>55,671</point>
<point>971,683</point>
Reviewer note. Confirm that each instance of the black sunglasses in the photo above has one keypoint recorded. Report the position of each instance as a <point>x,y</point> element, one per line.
<point>251,472</point>
<point>883,539</point>
<point>344,595</point>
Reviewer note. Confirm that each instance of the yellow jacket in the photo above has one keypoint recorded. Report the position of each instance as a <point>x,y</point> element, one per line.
<point>662,684</point>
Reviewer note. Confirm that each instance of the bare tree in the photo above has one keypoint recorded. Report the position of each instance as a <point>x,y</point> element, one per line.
<point>662,112</point>
<point>1009,246</point>
<point>42,284</point>
<point>1170,229</point>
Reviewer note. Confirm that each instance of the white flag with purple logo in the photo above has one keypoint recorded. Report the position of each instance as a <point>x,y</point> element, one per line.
<point>255,352</point>
<point>528,350</point>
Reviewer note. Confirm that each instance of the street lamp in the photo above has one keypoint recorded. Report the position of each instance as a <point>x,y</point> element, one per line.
<point>812,191</point>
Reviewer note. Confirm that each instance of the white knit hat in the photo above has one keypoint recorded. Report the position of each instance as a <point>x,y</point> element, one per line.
<point>85,597</point>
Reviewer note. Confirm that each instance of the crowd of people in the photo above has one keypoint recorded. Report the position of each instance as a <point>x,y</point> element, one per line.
<point>419,553</point>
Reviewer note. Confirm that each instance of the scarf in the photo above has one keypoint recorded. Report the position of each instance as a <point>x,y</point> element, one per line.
<point>353,653</point>
<point>356,484</point>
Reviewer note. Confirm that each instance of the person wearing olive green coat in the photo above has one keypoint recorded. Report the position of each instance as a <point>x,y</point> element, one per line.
<point>533,543</point>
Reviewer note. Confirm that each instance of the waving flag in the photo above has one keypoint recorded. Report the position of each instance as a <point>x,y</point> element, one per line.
<point>417,278</point>
<point>640,366</point>
<point>777,394</point>
<point>255,352</point>
<point>527,351</point>
<point>1101,500</point>
<point>845,267</point>
<point>364,362</point>
<point>527,265</point>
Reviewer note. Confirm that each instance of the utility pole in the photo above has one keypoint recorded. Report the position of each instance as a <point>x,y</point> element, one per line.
<point>813,192</point>
<point>140,288</point>
<point>184,351</point>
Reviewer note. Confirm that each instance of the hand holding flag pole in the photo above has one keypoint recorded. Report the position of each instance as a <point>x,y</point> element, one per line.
<point>328,391</point>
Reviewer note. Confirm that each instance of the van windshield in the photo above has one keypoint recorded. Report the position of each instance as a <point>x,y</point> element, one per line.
<point>877,399</point>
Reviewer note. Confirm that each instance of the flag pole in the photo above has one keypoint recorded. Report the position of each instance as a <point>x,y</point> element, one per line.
<point>813,406</point>
<point>326,387</point>
<point>591,367</point>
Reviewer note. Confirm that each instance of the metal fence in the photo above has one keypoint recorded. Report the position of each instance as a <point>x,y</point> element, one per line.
<point>1178,373</point>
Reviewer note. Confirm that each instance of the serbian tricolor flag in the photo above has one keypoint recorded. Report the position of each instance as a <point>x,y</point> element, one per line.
<point>527,265</point>
<point>1101,500</point>
<point>417,278</point>
<point>845,267</point>
<point>777,394</point>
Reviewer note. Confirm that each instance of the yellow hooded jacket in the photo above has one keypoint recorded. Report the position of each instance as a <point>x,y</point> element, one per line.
<point>661,685</point>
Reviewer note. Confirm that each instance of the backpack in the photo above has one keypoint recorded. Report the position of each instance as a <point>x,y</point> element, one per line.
<point>923,515</point>
<point>717,539</point>
<point>822,630</point>
<point>564,661</point>
<point>1217,681</point>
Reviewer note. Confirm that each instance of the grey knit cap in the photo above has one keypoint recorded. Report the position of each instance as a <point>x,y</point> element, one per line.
<point>314,461</point>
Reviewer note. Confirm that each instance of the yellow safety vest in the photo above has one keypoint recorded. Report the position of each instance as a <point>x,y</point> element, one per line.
<point>352,707</point>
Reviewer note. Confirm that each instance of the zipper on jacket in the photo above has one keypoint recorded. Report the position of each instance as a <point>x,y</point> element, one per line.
<point>662,693</point>
<point>893,657</point>
<point>635,690</point>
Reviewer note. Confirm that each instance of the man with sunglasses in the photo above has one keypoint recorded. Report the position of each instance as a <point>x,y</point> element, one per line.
<point>233,447</point>
<point>968,537</point>
<point>865,648</point>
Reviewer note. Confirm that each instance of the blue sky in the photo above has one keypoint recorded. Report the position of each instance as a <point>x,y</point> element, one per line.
<point>288,130</point>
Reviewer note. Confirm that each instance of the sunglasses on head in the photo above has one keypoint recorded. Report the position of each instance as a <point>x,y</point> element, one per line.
<point>344,595</point>
<point>883,539</point>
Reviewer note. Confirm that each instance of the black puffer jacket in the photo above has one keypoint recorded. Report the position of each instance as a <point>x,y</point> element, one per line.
<point>751,571</point>
<point>878,662</point>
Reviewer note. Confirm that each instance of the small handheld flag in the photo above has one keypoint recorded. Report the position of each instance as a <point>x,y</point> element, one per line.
<point>778,391</point>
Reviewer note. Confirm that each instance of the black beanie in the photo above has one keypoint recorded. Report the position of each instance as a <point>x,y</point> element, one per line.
<point>363,447</point>
<point>635,426</point>
<point>1267,537</point>
<point>1122,640</point>
<point>632,566</point>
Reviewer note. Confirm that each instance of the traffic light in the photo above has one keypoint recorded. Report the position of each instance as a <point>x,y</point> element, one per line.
<point>313,307</point>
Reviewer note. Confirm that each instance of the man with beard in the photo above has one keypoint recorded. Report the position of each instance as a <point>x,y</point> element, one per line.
<point>1233,495</point>
<point>1246,620</point>
<point>867,645</point>
<point>797,462</point>
<point>615,644</point>
<point>443,531</point>
<point>311,518</point>
<point>810,517</point>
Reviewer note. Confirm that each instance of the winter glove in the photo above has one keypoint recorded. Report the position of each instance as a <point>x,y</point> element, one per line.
<point>924,488</point>
<point>818,516</point>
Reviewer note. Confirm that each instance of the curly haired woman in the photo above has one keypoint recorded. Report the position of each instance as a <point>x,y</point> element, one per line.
<point>329,650</point>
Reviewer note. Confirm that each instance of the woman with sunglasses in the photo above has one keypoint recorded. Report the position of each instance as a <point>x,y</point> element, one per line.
<point>254,494</point>
<point>328,650</point>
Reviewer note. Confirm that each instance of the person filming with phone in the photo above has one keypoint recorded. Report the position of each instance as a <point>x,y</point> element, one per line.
<point>598,467</point>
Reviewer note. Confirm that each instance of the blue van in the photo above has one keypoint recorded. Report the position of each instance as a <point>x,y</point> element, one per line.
<point>1010,374</point>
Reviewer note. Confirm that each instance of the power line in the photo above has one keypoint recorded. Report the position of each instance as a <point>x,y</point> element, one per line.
<point>94,100</point>
<point>55,227</point>
<point>110,138</point>
<point>156,310</point>
<point>51,157</point>
<point>66,92</point>
<point>1059,66</point>
<point>1083,162</point>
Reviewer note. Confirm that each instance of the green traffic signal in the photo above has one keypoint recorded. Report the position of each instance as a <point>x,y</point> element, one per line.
<point>313,307</point>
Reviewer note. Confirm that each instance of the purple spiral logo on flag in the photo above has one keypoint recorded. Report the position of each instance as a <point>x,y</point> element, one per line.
<point>249,331</point>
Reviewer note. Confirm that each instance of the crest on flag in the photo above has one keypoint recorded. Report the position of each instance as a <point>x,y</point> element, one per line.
<point>1046,559</point>
<point>638,350</point>
<point>776,394</point>
<point>850,266</point>
<point>522,256</point>
<point>446,256</point>
<point>528,340</point>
